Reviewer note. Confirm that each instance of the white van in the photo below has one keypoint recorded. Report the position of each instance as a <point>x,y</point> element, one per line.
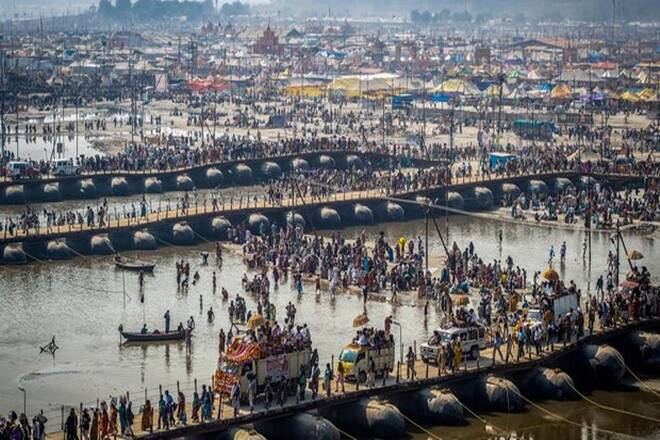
<point>64,167</point>
<point>17,169</point>
<point>473,340</point>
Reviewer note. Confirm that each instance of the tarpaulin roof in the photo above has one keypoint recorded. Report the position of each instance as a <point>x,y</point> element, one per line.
<point>457,86</point>
<point>387,83</point>
<point>629,96</point>
<point>494,90</point>
<point>561,91</point>
<point>308,91</point>
<point>535,76</point>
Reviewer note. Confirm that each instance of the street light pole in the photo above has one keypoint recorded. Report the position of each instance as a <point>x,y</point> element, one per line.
<point>20,387</point>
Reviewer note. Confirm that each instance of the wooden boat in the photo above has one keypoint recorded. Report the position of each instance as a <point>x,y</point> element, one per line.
<point>136,265</point>
<point>153,337</point>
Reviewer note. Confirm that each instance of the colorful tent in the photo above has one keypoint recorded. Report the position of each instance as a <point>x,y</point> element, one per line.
<point>311,91</point>
<point>519,93</point>
<point>456,86</point>
<point>561,91</point>
<point>643,78</point>
<point>629,96</point>
<point>373,84</point>
<point>494,90</point>
<point>535,76</point>
<point>517,74</point>
<point>647,94</point>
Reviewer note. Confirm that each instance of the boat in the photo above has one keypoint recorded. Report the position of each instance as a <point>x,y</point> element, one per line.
<point>136,265</point>
<point>153,337</point>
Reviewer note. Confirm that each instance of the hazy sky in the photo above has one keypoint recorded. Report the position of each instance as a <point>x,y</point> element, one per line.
<point>588,9</point>
<point>35,7</point>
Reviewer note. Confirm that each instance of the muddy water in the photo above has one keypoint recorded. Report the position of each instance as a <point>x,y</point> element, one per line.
<point>39,148</point>
<point>587,422</point>
<point>82,302</point>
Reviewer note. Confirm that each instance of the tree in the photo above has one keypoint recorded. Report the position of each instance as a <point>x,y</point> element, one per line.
<point>443,15</point>
<point>426,18</point>
<point>106,9</point>
<point>235,8</point>
<point>415,16</point>
<point>123,7</point>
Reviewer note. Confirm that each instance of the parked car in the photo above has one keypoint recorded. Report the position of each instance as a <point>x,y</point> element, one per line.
<point>20,170</point>
<point>64,167</point>
<point>473,340</point>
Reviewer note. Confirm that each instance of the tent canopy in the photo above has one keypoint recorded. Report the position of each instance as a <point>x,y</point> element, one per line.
<point>456,86</point>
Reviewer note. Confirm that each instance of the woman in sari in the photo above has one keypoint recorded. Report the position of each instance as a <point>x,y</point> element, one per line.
<point>94,429</point>
<point>196,404</point>
<point>104,425</point>
<point>113,419</point>
<point>147,423</point>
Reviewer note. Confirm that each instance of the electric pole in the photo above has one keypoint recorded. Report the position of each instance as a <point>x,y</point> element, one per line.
<point>3,92</point>
<point>132,92</point>
<point>499,104</point>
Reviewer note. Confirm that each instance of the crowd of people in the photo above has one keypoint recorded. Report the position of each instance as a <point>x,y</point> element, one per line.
<point>595,204</point>
<point>174,155</point>
<point>517,314</point>
<point>371,268</point>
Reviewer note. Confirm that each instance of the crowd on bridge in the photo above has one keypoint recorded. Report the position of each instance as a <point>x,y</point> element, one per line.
<point>596,204</point>
<point>176,155</point>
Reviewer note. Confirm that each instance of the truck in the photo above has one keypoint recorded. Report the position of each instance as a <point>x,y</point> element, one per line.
<point>355,360</point>
<point>473,340</point>
<point>561,305</point>
<point>64,167</point>
<point>241,364</point>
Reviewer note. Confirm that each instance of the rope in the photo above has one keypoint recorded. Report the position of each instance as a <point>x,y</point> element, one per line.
<point>112,248</point>
<point>609,408</point>
<point>168,244</point>
<point>482,420</point>
<point>638,379</point>
<point>571,422</point>
<point>77,253</point>
<point>33,257</point>
<point>416,425</point>
<point>202,237</point>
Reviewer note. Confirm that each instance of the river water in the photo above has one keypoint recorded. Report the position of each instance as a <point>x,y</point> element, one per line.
<point>82,302</point>
<point>40,148</point>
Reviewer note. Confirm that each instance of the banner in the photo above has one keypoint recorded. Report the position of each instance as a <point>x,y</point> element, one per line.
<point>277,366</point>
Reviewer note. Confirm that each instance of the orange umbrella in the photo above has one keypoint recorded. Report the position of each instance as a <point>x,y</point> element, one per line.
<point>255,321</point>
<point>550,274</point>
